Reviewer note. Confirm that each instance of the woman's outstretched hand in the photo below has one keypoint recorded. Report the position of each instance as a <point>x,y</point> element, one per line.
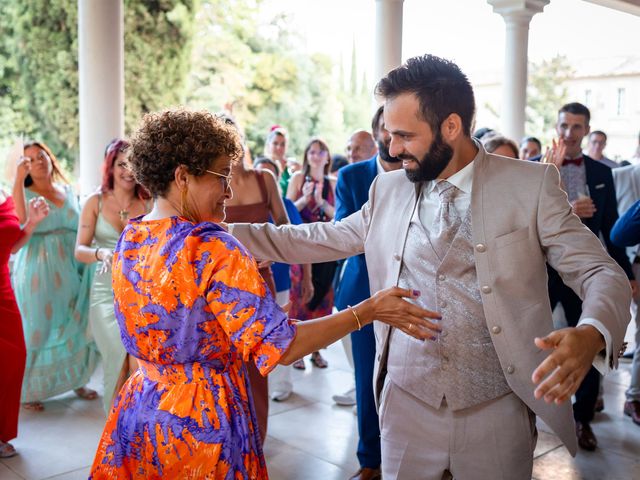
<point>389,306</point>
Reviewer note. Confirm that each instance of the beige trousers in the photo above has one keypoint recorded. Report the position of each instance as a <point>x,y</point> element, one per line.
<point>494,440</point>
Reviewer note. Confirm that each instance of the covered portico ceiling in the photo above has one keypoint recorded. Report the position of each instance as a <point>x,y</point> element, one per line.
<point>627,6</point>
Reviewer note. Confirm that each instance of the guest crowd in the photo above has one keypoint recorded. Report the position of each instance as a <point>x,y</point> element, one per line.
<point>198,309</point>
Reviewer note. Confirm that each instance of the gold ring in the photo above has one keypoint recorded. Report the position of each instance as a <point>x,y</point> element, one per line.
<point>410,327</point>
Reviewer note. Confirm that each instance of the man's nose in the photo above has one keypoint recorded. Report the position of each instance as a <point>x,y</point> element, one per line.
<point>394,148</point>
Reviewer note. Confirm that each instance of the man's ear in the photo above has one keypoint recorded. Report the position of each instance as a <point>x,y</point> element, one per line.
<point>181,176</point>
<point>451,128</point>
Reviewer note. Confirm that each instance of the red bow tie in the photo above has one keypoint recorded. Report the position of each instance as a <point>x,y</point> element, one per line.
<point>572,161</point>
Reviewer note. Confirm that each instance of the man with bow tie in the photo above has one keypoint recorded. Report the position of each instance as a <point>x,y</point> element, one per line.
<point>591,192</point>
<point>472,232</point>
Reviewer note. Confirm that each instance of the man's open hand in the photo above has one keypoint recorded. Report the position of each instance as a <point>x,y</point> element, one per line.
<point>560,374</point>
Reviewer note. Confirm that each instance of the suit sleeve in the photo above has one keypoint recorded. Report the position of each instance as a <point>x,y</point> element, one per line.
<point>626,231</point>
<point>626,181</point>
<point>608,221</point>
<point>344,197</point>
<point>311,242</point>
<point>578,256</point>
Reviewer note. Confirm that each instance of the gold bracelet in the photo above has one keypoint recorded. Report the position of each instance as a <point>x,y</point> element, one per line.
<point>355,314</point>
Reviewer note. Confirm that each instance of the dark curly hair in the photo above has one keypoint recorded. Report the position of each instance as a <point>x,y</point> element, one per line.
<point>439,85</point>
<point>170,138</point>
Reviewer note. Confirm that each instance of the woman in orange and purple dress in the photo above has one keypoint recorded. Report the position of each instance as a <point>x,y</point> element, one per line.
<point>13,352</point>
<point>192,307</point>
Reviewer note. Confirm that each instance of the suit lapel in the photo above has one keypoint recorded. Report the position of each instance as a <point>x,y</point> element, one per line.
<point>477,199</point>
<point>372,170</point>
<point>590,173</point>
<point>404,214</point>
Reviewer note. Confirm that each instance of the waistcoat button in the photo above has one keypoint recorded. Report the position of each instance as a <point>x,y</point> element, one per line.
<point>511,369</point>
<point>486,289</point>
<point>496,329</point>
<point>481,248</point>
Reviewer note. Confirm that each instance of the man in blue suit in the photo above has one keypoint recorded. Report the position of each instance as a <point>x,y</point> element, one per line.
<point>590,189</point>
<point>352,192</point>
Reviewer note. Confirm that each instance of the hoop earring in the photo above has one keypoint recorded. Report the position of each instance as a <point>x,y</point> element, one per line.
<point>184,209</point>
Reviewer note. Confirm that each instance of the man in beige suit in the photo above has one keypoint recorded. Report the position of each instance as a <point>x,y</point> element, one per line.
<point>471,231</point>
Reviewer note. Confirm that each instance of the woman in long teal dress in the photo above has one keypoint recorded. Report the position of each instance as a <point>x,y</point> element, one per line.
<point>104,216</point>
<point>51,286</point>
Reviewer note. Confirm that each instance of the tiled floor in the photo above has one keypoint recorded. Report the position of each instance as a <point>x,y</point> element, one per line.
<point>309,437</point>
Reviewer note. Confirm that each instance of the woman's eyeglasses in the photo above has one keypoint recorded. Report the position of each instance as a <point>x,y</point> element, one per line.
<point>226,178</point>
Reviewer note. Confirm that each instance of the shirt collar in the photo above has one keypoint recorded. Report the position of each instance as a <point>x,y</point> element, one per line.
<point>379,166</point>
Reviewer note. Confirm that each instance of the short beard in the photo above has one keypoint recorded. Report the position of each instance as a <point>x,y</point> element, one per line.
<point>432,164</point>
<point>383,152</point>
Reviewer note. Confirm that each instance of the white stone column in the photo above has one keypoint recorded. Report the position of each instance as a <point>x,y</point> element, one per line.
<point>388,41</point>
<point>517,14</point>
<point>101,83</point>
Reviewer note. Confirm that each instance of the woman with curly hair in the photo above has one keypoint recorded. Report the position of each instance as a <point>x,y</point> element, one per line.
<point>104,216</point>
<point>192,308</point>
<point>52,288</point>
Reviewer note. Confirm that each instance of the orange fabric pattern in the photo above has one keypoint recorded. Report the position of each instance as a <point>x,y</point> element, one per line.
<point>191,307</point>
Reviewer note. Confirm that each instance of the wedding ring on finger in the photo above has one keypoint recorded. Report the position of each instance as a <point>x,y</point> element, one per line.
<point>410,327</point>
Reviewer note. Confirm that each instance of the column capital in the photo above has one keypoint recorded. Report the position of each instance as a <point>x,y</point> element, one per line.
<point>518,10</point>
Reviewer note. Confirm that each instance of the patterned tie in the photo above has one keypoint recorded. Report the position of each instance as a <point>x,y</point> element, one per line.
<point>447,219</point>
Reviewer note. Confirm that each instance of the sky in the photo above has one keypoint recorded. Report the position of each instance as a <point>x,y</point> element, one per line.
<point>465,31</point>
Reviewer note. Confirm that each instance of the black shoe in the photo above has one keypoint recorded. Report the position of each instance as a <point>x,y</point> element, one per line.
<point>586,438</point>
<point>366,473</point>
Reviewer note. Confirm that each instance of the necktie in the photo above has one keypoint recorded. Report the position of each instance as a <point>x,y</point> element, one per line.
<point>572,161</point>
<point>447,219</point>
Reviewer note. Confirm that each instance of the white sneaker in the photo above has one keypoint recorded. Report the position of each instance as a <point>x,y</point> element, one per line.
<point>347,399</point>
<point>280,396</point>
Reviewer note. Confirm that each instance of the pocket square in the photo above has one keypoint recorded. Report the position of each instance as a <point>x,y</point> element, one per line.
<point>601,185</point>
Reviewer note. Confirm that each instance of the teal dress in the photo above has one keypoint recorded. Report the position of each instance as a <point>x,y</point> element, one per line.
<point>52,291</point>
<point>102,318</point>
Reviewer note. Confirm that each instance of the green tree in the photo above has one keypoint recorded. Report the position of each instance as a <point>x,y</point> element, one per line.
<point>40,72</point>
<point>157,43</point>
<point>356,100</point>
<point>253,67</point>
<point>546,93</point>
<point>39,65</point>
